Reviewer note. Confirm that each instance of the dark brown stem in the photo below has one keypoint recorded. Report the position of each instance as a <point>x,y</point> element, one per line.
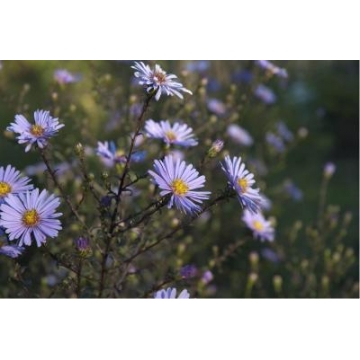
<point>118,195</point>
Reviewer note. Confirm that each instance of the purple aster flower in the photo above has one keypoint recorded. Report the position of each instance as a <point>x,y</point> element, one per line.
<point>109,154</point>
<point>261,228</point>
<point>181,181</point>
<point>188,271</point>
<point>241,180</point>
<point>265,94</point>
<point>12,183</point>
<point>44,128</point>
<point>177,134</point>
<point>271,68</point>
<point>63,76</point>
<point>12,251</point>
<point>170,293</point>
<point>29,214</point>
<point>156,80</point>
<point>239,135</point>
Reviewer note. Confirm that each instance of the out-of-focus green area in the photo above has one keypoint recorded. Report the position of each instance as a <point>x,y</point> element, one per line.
<point>321,97</point>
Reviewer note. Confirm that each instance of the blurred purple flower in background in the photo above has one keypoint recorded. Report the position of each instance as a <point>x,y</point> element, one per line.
<point>276,142</point>
<point>265,94</point>
<point>271,68</point>
<point>239,135</point>
<point>188,271</point>
<point>216,106</point>
<point>292,190</point>
<point>63,76</point>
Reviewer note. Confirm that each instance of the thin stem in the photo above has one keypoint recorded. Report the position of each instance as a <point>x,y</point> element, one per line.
<point>322,200</point>
<point>118,195</point>
<point>62,191</point>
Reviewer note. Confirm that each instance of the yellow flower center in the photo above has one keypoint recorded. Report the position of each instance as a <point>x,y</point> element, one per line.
<point>179,187</point>
<point>258,225</point>
<point>5,188</point>
<point>37,130</point>
<point>243,184</point>
<point>170,135</point>
<point>31,218</point>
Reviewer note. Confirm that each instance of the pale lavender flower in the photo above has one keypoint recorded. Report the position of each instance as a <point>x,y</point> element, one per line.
<point>265,94</point>
<point>216,106</point>
<point>241,180</point>
<point>63,76</point>
<point>272,69</point>
<point>170,293</point>
<point>30,213</point>
<point>181,181</point>
<point>270,255</point>
<point>156,80</point>
<point>12,251</point>
<point>239,135</point>
<point>11,182</point>
<point>109,154</point>
<point>44,128</point>
<point>177,134</point>
<point>260,227</point>
<point>329,170</point>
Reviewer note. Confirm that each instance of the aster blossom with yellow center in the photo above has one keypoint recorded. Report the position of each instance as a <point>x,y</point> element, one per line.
<point>175,177</point>
<point>11,182</point>
<point>158,81</point>
<point>176,134</point>
<point>30,215</point>
<point>260,227</point>
<point>241,180</point>
<point>43,129</point>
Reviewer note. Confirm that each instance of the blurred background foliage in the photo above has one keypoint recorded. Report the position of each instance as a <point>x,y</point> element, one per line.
<point>318,102</point>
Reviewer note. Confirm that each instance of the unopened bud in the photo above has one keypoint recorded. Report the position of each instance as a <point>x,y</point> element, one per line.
<point>277,283</point>
<point>79,150</point>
